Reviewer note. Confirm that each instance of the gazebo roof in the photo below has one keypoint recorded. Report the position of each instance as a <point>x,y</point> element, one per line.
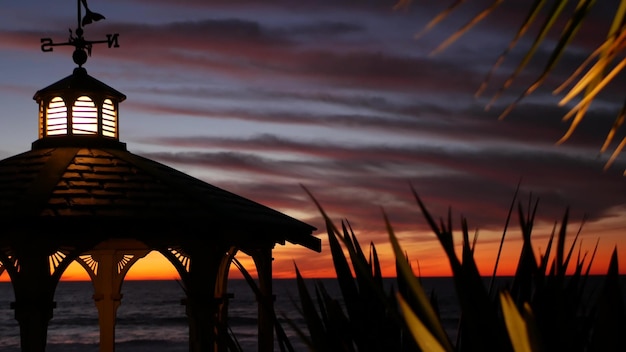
<point>105,188</point>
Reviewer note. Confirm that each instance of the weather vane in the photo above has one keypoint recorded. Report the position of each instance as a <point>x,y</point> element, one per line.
<point>82,46</point>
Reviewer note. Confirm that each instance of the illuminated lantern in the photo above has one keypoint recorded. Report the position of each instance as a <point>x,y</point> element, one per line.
<point>76,108</point>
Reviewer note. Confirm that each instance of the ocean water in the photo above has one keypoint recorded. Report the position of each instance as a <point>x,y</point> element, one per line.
<point>151,317</point>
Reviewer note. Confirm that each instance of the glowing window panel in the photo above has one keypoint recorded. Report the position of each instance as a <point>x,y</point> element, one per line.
<point>56,122</point>
<point>41,124</point>
<point>109,119</point>
<point>84,116</point>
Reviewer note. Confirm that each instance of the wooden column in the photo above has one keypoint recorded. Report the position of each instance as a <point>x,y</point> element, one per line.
<point>34,295</point>
<point>263,261</point>
<point>203,262</point>
<point>107,269</point>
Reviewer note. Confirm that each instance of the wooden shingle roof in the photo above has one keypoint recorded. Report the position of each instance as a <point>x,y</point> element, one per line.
<point>106,188</point>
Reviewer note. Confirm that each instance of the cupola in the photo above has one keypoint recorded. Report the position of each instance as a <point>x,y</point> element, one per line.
<point>78,110</point>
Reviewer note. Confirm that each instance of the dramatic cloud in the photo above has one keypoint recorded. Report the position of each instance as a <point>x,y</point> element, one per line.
<point>266,98</point>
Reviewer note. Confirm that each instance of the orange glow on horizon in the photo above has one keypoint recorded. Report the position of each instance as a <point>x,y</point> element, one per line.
<point>426,257</point>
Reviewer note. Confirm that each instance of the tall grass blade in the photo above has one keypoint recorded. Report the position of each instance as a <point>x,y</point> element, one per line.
<point>544,260</point>
<point>561,266</point>
<point>527,265</point>
<point>569,254</point>
<point>506,226</point>
<point>593,256</point>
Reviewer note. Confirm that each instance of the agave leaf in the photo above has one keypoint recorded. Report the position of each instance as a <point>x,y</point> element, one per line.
<point>416,291</point>
<point>376,263</point>
<point>555,12</point>
<point>515,324</point>
<point>311,317</point>
<point>479,321</point>
<point>344,277</point>
<point>282,338</point>
<point>340,333</point>
<point>609,324</point>
<point>530,18</point>
<point>469,265</point>
<point>421,334</point>
<point>440,17</point>
<point>527,265</point>
<point>358,259</point>
<point>444,236</point>
<point>342,269</point>
<point>361,267</point>
<point>456,35</point>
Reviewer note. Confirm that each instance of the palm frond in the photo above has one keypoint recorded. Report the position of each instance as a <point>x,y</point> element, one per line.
<point>567,35</point>
<point>530,18</point>
<point>439,18</point>
<point>555,12</point>
<point>461,31</point>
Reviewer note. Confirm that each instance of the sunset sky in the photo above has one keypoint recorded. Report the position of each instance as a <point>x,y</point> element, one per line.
<point>263,97</point>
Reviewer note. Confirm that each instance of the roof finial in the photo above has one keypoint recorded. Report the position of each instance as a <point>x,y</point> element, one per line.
<point>82,47</point>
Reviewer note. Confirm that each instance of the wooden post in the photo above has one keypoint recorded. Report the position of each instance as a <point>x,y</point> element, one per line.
<point>107,269</point>
<point>263,261</point>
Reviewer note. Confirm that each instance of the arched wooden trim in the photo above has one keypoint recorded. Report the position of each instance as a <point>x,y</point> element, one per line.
<point>9,262</point>
<point>179,259</point>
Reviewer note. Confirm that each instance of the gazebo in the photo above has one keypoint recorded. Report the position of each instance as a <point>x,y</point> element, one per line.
<point>80,195</point>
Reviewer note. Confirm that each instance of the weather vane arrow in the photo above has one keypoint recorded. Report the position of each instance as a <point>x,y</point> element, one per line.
<point>82,46</point>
